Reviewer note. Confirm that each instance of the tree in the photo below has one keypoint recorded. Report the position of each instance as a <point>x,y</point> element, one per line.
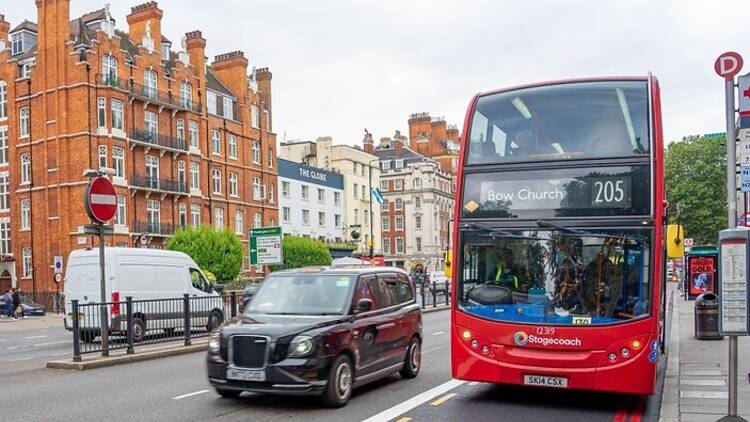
<point>302,251</point>
<point>218,252</point>
<point>695,172</point>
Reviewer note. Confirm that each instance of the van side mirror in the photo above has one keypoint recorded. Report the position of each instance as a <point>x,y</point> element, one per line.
<point>363,305</point>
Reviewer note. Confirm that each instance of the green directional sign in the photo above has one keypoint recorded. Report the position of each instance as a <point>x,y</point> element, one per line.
<point>265,246</point>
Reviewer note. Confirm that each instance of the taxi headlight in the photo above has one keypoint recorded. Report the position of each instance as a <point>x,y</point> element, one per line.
<point>214,343</point>
<point>301,346</point>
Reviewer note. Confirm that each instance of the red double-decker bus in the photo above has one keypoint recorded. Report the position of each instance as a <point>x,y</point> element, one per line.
<point>558,257</point>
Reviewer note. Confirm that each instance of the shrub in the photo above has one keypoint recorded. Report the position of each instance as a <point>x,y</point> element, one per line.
<point>215,251</point>
<point>302,251</point>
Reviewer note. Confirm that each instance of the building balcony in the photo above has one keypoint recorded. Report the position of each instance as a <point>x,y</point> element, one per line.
<point>161,98</point>
<point>161,186</point>
<point>110,80</point>
<point>152,228</point>
<point>157,140</point>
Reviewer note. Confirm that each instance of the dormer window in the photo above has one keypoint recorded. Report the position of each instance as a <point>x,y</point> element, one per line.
<point>17,43</point>
<point>186,94</point>
<point>399,164</point>
<point>211,102</point>
<point>165,51</point>
<point>228,108</point>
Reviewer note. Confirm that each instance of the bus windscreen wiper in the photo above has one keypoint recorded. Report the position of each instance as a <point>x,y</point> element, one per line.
<point>578,232</point>
<point>495,232</point>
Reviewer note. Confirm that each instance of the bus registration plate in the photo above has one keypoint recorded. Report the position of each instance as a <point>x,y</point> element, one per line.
<point>244,375</point>
<point>545,381</point>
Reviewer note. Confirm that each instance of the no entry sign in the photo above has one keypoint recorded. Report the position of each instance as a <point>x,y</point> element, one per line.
<point>100,199</point>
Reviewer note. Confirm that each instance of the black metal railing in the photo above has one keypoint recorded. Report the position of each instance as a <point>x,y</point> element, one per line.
<point>142,322</point>
<point>110,80</point>
<point>149,93</point>
<point>154,228</point>
<point>157,184</point>
<point>158,140</point>
<point>432,293</point>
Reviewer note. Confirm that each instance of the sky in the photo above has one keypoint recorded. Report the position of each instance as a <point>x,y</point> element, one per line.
<point>342,66</point>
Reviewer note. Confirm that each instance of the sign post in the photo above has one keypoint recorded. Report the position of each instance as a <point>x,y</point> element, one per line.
<point>100,203</point>
<point>265,246</point>
<point>728,65</point>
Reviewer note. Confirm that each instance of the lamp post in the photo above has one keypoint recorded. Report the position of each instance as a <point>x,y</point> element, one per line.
<point>372,222</point>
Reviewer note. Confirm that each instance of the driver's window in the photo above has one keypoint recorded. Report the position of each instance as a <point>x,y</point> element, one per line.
<point>197,280</point>
<point>363,292</point>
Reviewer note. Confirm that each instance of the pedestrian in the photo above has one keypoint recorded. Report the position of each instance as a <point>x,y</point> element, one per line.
<point>17,309</point>
<point>8,300</point>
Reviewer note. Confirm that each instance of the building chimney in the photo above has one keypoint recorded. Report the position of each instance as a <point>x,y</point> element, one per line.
<point>144,23</point>
<point>4,29</point>
<point>398,144</point>
<point>367,142</point>
<point>264,77</point>
<point>195,45</point>
<point>53,20</point>
<point>231,69</point>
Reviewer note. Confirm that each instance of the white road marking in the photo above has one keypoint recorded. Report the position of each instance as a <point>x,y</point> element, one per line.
<point>3,340</point>
<point>437,333</point>
<point>33,337</point>
<point>194,393</point>
<point>49,343</point>
<point>433,350</point>
<point>415,401</point>
<point>13,348</point>
<point>61,354</point>
<point>21,360</point>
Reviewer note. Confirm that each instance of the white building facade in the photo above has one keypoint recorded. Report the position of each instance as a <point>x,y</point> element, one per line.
<point>311,201</point>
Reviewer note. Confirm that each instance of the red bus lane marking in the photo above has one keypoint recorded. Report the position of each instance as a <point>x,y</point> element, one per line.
<point>620,416</point>
<point>640,404</point>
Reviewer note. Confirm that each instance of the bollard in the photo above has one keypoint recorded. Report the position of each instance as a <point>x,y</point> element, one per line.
<point>421,293</point>
<point>434,294</point>
<point>76,332</point>
<point>186,310</point>
<point>233,304</point>
<point>129,310</point>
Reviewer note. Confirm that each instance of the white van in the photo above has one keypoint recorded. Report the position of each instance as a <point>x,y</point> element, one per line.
<point>152,277</point>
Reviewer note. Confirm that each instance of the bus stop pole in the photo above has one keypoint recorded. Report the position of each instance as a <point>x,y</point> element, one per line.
<point>732,222</point>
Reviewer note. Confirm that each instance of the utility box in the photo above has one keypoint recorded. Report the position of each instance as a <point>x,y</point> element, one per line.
<point>734,256</point>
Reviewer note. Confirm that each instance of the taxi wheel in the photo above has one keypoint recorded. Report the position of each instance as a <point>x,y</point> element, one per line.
<point>340,382</point>
<point>413,359</point>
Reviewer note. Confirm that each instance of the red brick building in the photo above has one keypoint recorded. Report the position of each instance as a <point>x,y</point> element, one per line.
<point>434,138</point>
<point>189,142</point>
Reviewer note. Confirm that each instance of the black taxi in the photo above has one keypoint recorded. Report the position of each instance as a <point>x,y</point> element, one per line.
<point>319,331</point>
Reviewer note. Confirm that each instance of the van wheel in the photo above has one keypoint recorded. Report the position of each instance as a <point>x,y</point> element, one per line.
<point>340,382</point>
<point>214,320</point>
<point>413,359</point>
<point>139,329</point>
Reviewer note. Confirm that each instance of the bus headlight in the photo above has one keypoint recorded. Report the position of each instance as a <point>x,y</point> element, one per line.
<point>301,346</point>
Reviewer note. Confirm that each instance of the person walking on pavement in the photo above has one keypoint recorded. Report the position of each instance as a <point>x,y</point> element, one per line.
<point>17,310</point>
<point>8,299</point>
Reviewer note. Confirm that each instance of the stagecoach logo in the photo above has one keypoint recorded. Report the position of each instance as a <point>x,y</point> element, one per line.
<point>521,339</point>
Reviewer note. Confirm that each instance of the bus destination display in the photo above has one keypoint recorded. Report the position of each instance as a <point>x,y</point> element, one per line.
<point>559,193</point>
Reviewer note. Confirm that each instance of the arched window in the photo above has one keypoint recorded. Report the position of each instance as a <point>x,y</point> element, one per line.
<point>25,168</point>
<point>150,85</point>
<point>25,214</point>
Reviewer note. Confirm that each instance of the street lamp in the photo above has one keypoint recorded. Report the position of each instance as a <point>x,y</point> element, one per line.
<point>372,222</point>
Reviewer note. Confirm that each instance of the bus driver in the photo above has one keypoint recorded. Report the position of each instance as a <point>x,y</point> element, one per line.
<point>505,273</point>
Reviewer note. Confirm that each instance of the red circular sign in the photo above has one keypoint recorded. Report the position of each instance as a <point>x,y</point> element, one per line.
<point>728,65</point>
<point>100,199</point>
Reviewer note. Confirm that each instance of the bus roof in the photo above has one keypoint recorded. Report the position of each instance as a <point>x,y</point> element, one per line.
<point>565,81</point>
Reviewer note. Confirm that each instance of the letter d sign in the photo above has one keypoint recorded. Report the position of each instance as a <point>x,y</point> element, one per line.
<point>728,65</point>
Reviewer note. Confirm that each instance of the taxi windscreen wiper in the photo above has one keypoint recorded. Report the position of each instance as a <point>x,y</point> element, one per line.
<point>577,232</point>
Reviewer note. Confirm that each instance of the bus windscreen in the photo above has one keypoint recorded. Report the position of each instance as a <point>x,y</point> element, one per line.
<point>561,122</point>
<point>552,277</point>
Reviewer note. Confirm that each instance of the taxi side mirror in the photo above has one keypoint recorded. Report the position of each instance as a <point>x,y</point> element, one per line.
<point>363,305</point>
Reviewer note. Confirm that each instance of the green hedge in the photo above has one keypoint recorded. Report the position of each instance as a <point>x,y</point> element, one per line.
<point>216,251</point>
<point>302,251</point>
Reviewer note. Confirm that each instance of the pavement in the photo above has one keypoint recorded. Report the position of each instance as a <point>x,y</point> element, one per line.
<point>696,382</point>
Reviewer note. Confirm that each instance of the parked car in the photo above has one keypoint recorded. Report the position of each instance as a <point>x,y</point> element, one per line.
<point>29,309</point>
<point>247,294</point>
<point>319,331</point>
<point>145,275</point>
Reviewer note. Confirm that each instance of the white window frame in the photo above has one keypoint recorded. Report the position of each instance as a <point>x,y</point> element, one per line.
<point>228,108</point>
<point>399,184</point>
<point>384,185</point>
<point>186,95</point>
<point>3,100</point>
<point>25,159</point>
<point>337,220</point>
<point>385,224</point>
<point>239,222</point>
<point>4,191</point>
<point>257,189</point>
<point>109,70</point>
<point>118,114</point>
<point>195,215</point>
<point>25,214</point>
<point>121,213</point>
<point>233,183</point>
<point>28,262</point>
<point>181,130</point>
<point>194,134</point>
<point>257,220</point>
<point>400,242</point>
<point>16,41</point>
<point>24,122</point>
<point>211,102</point>
<point>195,176</point>
<point>305,217</point>
<point>254,117</point>
<point>337,198</point>
<point>285,186</point>
<point>399,224</point>
<point>232,146</point>
<point>219,218</point>
<point>153,215</point>
<point>321,219</point>
<point>256,152</point>
<point>3,145</point>
<point>150,83</point>
<point>151,124</point>
<point>101,112</point>
<point>305,192</point>
<point>321,195</point>
<point>216,177</point>
<point>182,218</point>
<point>286,214</point>
<point>102,156</point>
<point>5,236</point>
<point>399,204</point>
<point>215,142</point>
